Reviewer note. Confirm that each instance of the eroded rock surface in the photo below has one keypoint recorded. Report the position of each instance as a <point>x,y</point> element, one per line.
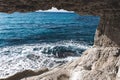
<point>102,62</point>
<point>95,64</point>
<point>26,73</point>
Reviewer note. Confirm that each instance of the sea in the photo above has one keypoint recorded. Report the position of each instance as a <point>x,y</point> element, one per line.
<point>35,40</point>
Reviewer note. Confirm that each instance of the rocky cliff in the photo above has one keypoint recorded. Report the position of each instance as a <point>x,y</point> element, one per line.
<point>102,62</point>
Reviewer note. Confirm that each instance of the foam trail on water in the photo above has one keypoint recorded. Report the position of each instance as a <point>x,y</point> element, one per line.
<point>14,59</point>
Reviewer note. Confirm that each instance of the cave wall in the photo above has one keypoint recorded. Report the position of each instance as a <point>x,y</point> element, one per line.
<point>108,32</point>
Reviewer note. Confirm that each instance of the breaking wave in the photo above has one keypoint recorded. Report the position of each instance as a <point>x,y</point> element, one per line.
<point>14,59</point>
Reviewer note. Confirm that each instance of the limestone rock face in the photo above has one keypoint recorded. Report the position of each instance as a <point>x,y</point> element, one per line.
<point>95,64</point>
<point>102,62</point>
<point>108,32</point>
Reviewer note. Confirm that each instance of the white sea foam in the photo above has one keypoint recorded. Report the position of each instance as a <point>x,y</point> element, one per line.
<point>14,59</point>
<point>54,9</point>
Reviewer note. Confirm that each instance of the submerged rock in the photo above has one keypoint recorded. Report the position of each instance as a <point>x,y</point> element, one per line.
<point>33,57</point>
<point>62,51</point>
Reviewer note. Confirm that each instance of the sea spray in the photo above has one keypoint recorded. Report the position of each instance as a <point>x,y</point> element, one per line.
<point>34,40</point>
<point>32,56</point>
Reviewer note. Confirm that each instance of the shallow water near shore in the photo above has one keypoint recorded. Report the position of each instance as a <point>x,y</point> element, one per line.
<point>41,39</point>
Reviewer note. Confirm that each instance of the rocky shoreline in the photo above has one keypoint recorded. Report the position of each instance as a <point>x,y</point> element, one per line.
<point>95,64</point>
<point>102,61</point>
<point>26,73</point>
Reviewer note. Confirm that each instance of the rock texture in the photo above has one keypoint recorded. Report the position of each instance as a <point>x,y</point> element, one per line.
<point>108,32</point>
<point>26,73</point>
<point>102,62</point>
<point>95,64</point>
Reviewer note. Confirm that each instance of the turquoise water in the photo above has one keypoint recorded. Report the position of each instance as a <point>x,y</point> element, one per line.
<point>43,39</point>
<point>36,27</point>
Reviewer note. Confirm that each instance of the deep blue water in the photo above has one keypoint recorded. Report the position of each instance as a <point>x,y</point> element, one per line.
<point>39,27</point>
<point>39,39</point>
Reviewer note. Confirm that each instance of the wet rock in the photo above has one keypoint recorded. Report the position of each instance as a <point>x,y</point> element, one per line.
<point>33,57</point>
<point>60,51</point>
<point>64,54</point>
<point>26,73</point>
<point>36,49</point>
